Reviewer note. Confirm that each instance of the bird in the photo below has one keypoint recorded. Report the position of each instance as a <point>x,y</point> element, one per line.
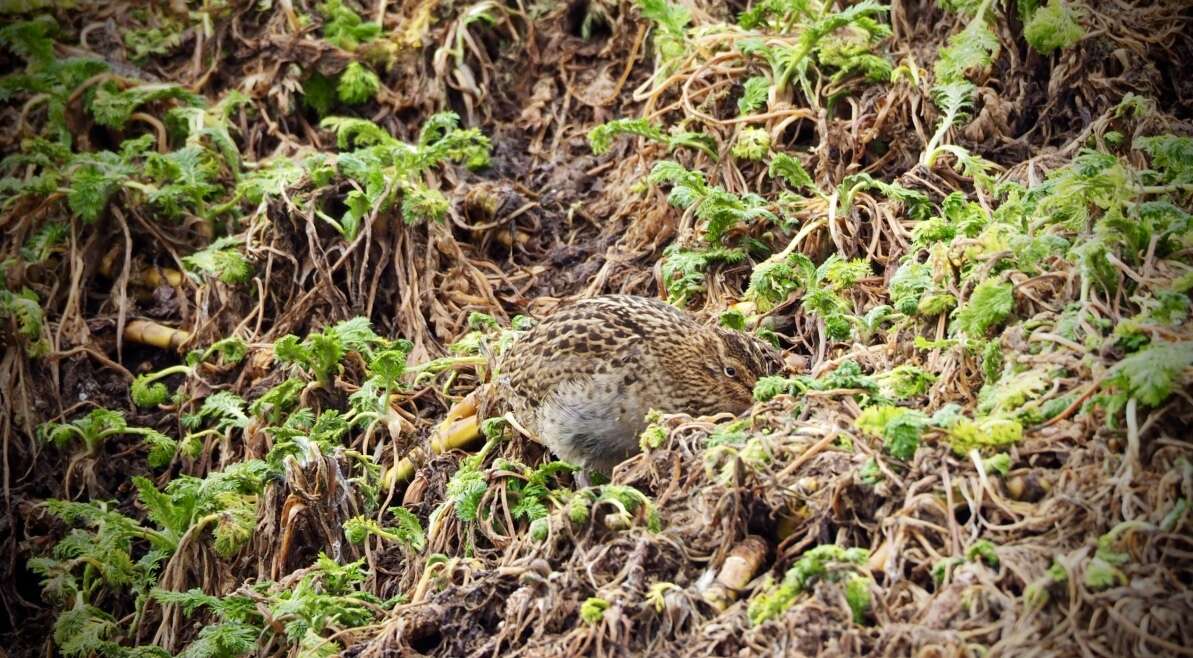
<point>583,379</point>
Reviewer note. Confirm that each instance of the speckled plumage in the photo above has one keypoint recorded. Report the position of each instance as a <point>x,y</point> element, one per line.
<point>583,379</point>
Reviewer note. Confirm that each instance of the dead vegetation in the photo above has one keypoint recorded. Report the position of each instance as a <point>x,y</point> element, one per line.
<point>998,463</point>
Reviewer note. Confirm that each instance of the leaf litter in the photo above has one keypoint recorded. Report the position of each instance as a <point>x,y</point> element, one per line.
<point>254,253</point>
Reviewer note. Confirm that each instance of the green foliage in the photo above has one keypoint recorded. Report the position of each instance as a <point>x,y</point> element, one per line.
<point>904,382</point>
<point>466,487</point>
<point>841,273</point>
<point>344,28</point>
<point>321,352</point>
<point>954,100</point>
<point>85,561</point>
<point>156,41</point>
<point>870,473</point>
<point>31,40</point>
<point>751,144</point>
<point>319,93</point>
<point>327,598</point>
<point>94,429</point>
<point>732,319</point>
<point>900,428</point>
<point>24,311</point>
<point>44,242</point>
<point>993,432</point>
<point>1053,27</point>
<point>970,51</point>
<point>221,259</point>
<point>357,84</point>
<point>408,531</point>
<point>778,15</point>
<point>989,305</point>
<point>670,36</point>
<point>908,286</point>
<point>147,391</point>
<point>627,501</point>
<point>600,138</point>
<point>224,408</point>
<point>718,209</point>
<point>858,597</point>
<point>1150,374</point>
<point>916,203</point>
<point>754,94</point>
<point>94,180</point>
<point>1009,393</point>
<point>825,562</point>
<point>855,31</point>
<point>593,609</point>
<point>776,278</point>
<point>848,375</point>
<point>532,497</point>
<point>791,171</point>
<point>85,630</point>
<point>999,463</point>
<point>112,106</point>
<point>385,168</point>
<point>684,269</point>
<point>1172,157</point>
<point>984,550</point>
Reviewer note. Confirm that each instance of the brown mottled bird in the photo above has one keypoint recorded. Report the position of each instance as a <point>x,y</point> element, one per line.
<point>584,378</point>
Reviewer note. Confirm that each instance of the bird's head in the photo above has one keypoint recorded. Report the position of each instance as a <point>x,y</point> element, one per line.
<point>737,362</point>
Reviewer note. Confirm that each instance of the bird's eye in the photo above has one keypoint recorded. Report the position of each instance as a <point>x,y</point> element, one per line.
<point>730,371</point>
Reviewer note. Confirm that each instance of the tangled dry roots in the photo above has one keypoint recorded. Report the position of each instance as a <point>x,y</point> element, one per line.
<point>550,221</point>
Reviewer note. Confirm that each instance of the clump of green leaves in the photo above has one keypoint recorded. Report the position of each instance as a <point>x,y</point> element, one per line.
<point>848,375</point>
<point>989,305</point>
<point>717,208</point>
<point>320,352</point>
<point>826,562</point>
<point>751,144</point>
<point>626,501</point>
<point>593,609</point>
<point>93,430</point>
<point>1053,27</point>
<point>904,382</point>
<point>970,51</point>
<point>159,39</point>
<point>533,498</point>
<point>843,41</point>
<point>791,171</point>
<point>344,28</point>
<point>670,37</point>
<point>386,169</point>
<point>23,310</point>
<point>408,531</point>
<point>357,84</point>
<point>718,211</point>
<point>777,278</point>
<point>899,427</point>
<point>222,259</point>
<point>1149,375</point>
<point>684,269</point>
<point>754,94</point>
<point>600,138</point>
<point>303,614</point>
<point>113,553</point>
<point>112,106</point>
<point>916,203</point>
<point>992,432</point>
